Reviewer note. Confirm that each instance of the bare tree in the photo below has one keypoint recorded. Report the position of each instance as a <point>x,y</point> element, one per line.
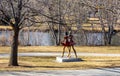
<point>108,12</point>
<point>16,14</point>
<point>54,12</point>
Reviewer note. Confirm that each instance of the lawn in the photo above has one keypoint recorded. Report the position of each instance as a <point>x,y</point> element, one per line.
<point>86,49</point>
<point>48,63</point>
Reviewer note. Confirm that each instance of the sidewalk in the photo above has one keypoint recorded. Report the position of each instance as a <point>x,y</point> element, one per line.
<point>59,54</point>
<point>89,72</point>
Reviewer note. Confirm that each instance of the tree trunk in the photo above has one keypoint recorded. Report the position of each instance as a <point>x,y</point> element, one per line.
<point>103,27</point>
<point>59,35</point>
<point>59,25</point>
<point>13,61</point>
<point>110,35</point>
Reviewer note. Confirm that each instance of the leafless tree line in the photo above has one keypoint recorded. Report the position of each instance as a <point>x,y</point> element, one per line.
<point>57,14</point>
<point>74,13</point>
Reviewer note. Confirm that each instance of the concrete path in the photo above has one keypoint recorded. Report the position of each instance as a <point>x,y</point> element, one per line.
<point>59,54</point>
<point>89,72</point>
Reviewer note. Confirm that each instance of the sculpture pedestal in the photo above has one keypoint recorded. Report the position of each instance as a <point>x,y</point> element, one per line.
<point>66,59</point>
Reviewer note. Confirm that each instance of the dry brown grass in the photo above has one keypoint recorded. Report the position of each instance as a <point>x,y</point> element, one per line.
<point>86,49</point>
<point>48,63</point>
<point>5,27</point>
<point>86,26</point>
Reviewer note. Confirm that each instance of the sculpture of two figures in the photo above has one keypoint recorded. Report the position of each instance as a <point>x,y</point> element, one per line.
<point>69,43</point>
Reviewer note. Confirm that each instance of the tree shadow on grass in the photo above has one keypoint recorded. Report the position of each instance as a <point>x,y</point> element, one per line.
<point>105,60</point>
<point>26,66</point>
<point>49,66</point>
<point>74,66</point>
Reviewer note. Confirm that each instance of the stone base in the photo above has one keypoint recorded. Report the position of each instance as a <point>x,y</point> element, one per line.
<point>66,59</point>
